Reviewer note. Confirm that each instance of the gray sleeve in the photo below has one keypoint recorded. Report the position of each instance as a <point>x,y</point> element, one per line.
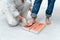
<point>13,9</point>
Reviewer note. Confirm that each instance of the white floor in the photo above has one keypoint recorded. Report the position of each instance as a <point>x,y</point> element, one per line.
<point>50,32</point>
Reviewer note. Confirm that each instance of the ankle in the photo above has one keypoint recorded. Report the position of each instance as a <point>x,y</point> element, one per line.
<point>33,19</point>
<point>47,17</point>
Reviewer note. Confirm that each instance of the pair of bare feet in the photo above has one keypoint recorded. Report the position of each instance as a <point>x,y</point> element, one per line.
<point>32,21</point>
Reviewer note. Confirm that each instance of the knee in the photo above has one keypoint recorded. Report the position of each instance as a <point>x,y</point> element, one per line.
<point>13,24</point>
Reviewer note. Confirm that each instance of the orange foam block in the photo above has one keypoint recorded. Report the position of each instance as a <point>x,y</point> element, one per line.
<point>36,27</point>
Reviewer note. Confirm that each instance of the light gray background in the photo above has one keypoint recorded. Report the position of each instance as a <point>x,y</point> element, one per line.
<point>50,32</point>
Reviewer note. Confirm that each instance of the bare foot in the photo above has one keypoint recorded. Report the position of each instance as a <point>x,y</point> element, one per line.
<point>48,22</point>
<point>31,22</point>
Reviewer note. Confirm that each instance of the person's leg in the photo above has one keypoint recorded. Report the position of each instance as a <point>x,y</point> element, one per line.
<point>35,11</point>
<point>36,8</point>
<point>10,19</point>
<point>49,10</point>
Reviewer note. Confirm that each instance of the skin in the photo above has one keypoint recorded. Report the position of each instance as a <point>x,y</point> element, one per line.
<point>48,22</point>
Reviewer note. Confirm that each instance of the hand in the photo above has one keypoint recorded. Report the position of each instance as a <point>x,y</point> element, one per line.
<point>24,22</point>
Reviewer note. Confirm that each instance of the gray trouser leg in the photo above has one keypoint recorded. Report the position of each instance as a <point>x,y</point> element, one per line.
<point>10,19</point>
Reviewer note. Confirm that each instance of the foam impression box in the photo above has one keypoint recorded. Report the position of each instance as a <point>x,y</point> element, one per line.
<point>36,27</point>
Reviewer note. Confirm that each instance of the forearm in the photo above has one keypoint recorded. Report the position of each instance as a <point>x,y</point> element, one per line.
<point>20,17</point>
